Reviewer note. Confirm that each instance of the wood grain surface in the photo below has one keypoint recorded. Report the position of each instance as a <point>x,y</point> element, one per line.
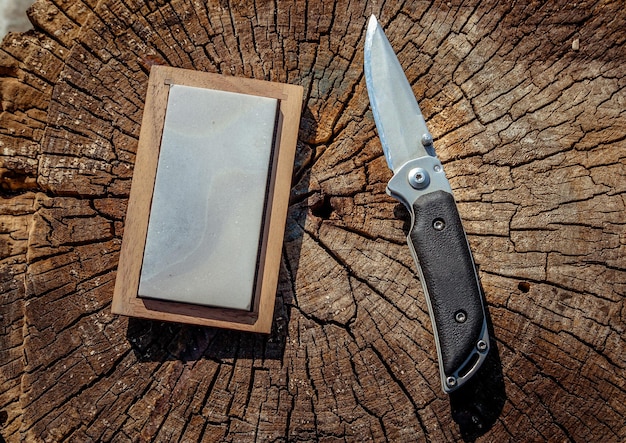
<point>526,102</point>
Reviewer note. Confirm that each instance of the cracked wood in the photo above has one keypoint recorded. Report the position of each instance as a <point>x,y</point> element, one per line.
<point>526,102</point>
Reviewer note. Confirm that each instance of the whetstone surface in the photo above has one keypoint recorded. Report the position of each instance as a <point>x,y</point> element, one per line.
<point>209,194</point>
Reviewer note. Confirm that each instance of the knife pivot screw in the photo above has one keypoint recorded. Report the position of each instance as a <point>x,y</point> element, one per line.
<point>427,140</point>
<point>460,317</point>
<point>419,178</point>
<point>451,382</point>
<point>439,224</point>
<point>481,345</point>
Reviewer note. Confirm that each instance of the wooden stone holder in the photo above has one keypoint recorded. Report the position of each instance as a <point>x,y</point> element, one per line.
<point>126,300</point>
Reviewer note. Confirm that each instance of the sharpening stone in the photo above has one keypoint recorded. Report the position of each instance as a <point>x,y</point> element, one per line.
<point>204,230</point>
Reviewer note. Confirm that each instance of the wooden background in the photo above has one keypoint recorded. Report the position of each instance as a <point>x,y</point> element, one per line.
<point>526,102</point>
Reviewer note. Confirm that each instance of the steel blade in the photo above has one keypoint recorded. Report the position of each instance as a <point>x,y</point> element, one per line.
<point>401,126</point>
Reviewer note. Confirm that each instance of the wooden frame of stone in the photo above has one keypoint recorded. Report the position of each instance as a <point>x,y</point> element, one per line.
<point>125,299</point>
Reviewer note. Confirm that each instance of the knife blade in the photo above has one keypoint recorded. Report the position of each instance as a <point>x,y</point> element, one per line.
<point>437,240</point>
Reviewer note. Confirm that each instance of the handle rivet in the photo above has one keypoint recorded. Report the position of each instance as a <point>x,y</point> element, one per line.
<point>451,381</point>
<point>427,140</point>
<point>439,225</point>
<point>437,168</point>
<point>481,345</point>
<point>418,178</point>
<point>460,317</point>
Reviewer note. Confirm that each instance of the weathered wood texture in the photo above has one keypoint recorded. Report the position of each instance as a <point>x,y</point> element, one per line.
<point>526,103</point>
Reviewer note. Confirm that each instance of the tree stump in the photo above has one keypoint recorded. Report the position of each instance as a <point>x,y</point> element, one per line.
<point>526,104</point>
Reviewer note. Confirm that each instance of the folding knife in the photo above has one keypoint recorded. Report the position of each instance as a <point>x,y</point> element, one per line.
<point>436,239</point>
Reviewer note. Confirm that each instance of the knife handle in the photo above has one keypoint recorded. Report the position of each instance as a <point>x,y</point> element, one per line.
<point>451,285</point>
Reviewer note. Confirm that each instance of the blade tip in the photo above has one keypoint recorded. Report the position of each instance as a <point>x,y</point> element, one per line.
<point>372,27</point>
<point>372,23</point>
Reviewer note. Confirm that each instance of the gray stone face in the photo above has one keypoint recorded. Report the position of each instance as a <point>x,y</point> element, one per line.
<point>205,223</point>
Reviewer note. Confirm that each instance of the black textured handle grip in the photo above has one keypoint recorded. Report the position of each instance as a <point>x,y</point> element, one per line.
<point>449,277</point>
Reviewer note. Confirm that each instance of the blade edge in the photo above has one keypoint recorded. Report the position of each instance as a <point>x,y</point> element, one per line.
<point>396,112</point>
